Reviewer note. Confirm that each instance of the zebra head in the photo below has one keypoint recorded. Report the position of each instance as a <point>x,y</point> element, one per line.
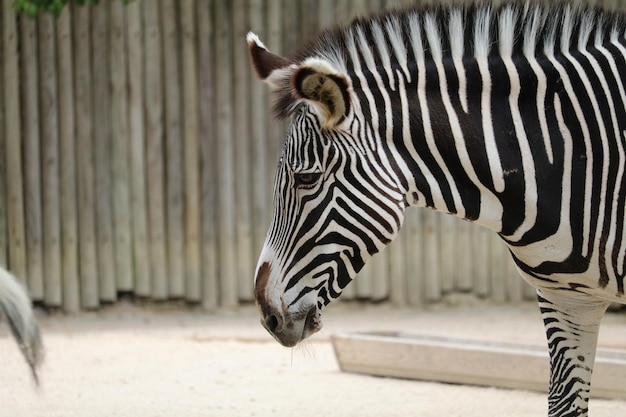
<point>336,202</point>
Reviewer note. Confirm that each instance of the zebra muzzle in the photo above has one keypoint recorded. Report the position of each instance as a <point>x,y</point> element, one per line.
<point>290,329</point>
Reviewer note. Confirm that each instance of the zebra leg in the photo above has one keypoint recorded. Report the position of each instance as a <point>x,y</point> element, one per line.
<point>572,321</point>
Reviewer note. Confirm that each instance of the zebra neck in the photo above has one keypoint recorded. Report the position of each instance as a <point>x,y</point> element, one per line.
<point>467,137</point>
<point>488,139</point>
<point>453,131</point>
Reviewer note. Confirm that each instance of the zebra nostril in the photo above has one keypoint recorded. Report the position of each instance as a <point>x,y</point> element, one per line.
<point>271,323</point>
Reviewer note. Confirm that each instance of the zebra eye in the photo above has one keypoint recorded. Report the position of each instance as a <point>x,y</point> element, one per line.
<point>307,179</point>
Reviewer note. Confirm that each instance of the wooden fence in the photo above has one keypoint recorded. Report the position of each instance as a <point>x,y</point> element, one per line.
<point>137,156</point>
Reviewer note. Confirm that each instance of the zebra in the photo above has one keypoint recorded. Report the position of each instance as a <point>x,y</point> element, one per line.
<point>15,307</point>
<point>511,117</point>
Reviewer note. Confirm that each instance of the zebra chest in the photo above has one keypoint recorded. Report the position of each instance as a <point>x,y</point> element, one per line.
<point>549,265</point>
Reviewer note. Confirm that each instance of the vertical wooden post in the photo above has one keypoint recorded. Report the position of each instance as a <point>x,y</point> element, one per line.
<point>120,148</point>
<point>85,159</point>
<point>397,270</point>
<point>291,26</point>
<point>449,256</point>
<point>32,158</point>
<point>13,138</point>
<point>342,11</point>
<point>225,153</point>
<point>137,151</point>
<point>326,13</point>
<point>497,266</point>
<point>464,252</point>
<point>191,138</point>
<point>48,106</point>
<point>432,256</point>
<point>102,147</point>
<point>3,172</point>
<point>481,261</point>
<point>514,283</point>
<point>210,282</point>
<point>154,148</point>
<point>241,133</point>
<point>174,150</point>
<point>68,156</point>
<point>309,25</point>
<point>415,257</point>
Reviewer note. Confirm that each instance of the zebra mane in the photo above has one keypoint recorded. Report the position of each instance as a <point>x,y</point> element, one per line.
<point>388,40</point>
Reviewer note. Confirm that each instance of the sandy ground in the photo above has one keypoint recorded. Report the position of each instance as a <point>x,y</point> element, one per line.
<point>168,360</point>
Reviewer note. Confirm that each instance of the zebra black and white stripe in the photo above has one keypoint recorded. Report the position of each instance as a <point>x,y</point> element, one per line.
<point>513,118</point>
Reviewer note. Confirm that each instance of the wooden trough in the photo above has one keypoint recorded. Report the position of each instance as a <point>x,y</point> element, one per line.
<point>469,362</point>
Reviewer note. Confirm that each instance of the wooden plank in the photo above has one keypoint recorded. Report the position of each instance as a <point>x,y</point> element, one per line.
<point>102,148</point>
<point>381,283</point>
<point>432,256</point>
<point>85,159</point>
<point>264,127</point>
<point>68,182</point>
<point>514,282</point>
<point>32,157</point>
<point>362,288</point>
<point>415,256</point>
<point>193,225</point>
<point>397,270</point>
<point>208,173</point>
<point>448,253</point>
<point>497,269</point>
<point>3,172</point>
<point>155,169</point>
<point>174,151</point>
<point>611,4</point>
<point>13,145</point>
<point>342,12</point>
<point>377,5</point>
<point>243,157</point>
<point>120,149</point>
<point>225,154</point>
<point>380,271</point>
<point>137,168</point>
<point>458,361</point>
<point>464,261</point>
<point>480,253</point>
<point>360,8</point>
<point>326,13</point>
<point>291,27</point>
<point>50,179</point>
<point>309,25</point>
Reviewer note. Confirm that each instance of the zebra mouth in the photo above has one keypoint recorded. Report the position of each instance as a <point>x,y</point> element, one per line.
<point>301,326</point>
<point>312,322</point>
<point>289,330</point>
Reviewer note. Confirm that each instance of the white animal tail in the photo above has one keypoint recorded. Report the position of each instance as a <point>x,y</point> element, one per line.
<point>16,308</point>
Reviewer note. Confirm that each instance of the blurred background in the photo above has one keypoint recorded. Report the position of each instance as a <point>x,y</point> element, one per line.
<point>137,157</point>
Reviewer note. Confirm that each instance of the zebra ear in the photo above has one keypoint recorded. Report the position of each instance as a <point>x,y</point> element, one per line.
<point>318,83</point>
<point>270,67</point>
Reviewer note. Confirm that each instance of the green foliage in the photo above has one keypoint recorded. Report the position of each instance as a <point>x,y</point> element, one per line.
<point>33,7</point>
